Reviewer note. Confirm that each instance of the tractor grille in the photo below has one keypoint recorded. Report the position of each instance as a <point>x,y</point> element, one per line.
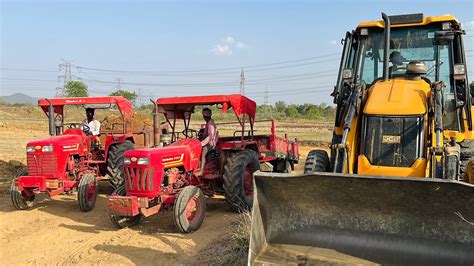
<point>139,179</point>
<point>41,163</point>
<point>393,141</point>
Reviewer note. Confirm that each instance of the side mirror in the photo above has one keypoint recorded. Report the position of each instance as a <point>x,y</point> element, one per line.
<point>443,37</point>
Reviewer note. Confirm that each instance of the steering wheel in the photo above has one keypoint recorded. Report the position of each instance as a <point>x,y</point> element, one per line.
<point>72,125</point>
<point>86,128</point>
<point>193,135</point>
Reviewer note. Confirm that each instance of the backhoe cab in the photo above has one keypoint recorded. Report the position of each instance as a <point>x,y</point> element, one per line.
<point>395,188</point>
<point>402,89</point>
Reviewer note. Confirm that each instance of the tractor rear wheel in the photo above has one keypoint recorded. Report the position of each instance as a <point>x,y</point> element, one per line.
<point>123,221</point>
<point>238,179</point>
<point>87,192</point>
<point>19,198</point>
<point>189,209</point>
<point>317,161</point>
<point>467,153</point>
<point>115,171</point>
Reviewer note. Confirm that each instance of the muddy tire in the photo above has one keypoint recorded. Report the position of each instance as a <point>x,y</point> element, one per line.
<point>115,171</point>
<point>189,209</point>
<point>467,154</point>
<point>19,199</point>
<point>238,179</point>
<point>317,161</point>
<point>123,221</point>
<point>87,192</point>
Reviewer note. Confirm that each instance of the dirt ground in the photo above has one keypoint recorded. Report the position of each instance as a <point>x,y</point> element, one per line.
<point>55,231</point>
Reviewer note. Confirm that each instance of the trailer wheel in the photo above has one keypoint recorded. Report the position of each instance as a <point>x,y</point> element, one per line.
<point>317,161</point>
<point>87,192</point>
<point>123,221</point>
<point>19,198</point>
<point>189,209</point>
<point>238,179</point>
<point>467,153</point>
<point>115,170</point>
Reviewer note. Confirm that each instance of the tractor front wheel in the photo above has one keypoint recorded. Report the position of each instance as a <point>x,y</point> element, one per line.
<point>189,209</point>
<point>317,161</point>
<point>123,221</point>
<point>238,179</point>
<point>19,198</point>
<point>87,192</point>
<point>115,171</point>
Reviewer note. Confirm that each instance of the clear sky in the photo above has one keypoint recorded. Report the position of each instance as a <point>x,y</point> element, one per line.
<point>166,48</point>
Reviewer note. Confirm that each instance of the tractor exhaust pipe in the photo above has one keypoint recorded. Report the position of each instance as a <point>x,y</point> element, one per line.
<point>52,127</point>
<point>156,125</point>
<point>386,49</point>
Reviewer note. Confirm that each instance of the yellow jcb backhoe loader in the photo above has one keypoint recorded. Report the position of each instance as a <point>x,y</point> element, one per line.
<point>397,185</point>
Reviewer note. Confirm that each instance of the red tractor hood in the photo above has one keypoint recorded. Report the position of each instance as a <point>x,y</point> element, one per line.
<point>185,152</point>
<point>69,143</point>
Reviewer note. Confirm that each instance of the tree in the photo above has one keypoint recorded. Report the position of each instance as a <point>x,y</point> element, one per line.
<point>76,88</point>
<point>280,106</point>
<point>131,96</point>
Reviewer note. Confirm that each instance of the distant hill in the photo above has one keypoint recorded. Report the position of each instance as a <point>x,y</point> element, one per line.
<point>19,98</point>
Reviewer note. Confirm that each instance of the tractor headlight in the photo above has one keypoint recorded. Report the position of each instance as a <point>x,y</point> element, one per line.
<point>48,148</point>
<point>143,161</point>
<point>127,160</point>
<point>30,149</point>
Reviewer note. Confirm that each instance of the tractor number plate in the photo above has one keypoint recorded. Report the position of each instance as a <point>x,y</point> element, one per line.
<point>127,206</point>
<point>390,139</point>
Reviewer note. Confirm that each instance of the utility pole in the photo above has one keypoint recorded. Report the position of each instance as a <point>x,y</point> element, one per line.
<point>140,100</point>
<point>119,83</point>
<point>66,77</point>
<point>242,82</point>
<point>265,102</point>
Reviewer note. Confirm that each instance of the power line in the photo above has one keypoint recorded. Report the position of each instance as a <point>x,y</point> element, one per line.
<point>207,70</point>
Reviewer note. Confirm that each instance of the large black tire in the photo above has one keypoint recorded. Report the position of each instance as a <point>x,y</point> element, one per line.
<point>87,192</point>
<point>19,199</point>
<point>115,171</point>
<point>189,209</point>
<point>238,179</point>
<point>467,153</point>
<point>123,221</point>
<point>317,161</point>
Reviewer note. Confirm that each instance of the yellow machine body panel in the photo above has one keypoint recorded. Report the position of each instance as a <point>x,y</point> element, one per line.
<point>417,169</point>
<point>398,97</point>
<point>426,21</point>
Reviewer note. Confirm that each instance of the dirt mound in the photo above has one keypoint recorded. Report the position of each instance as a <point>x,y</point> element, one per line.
<point>8,171</point>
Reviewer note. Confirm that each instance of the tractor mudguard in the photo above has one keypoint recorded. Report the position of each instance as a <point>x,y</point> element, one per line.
<point>352,219</point>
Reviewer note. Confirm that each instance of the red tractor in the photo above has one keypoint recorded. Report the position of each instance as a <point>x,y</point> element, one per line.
<point>170,174</point>
<point>72,158</point>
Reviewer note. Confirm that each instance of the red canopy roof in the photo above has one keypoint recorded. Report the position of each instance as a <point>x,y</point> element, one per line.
<point>240,103</point>
<point>124,106</point>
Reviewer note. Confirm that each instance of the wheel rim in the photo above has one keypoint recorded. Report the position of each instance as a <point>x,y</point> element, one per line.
<point>248,184</point>
<point>91,191</point>
<point>193,210</point>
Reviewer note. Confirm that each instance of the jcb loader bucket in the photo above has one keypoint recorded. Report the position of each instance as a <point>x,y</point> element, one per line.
<point>326,218</point>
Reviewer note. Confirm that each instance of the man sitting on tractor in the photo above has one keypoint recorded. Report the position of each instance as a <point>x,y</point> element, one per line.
<point>209,136</point>
<point>91,123</point>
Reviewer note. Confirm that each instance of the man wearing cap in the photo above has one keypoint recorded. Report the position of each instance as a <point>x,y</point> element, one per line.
<point>397,67</point>
<point>94,125</point>
<point>209,135</point>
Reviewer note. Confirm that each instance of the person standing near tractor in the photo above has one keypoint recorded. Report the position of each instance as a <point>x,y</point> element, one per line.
<point>91,123</point>
<point>209,135</point>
